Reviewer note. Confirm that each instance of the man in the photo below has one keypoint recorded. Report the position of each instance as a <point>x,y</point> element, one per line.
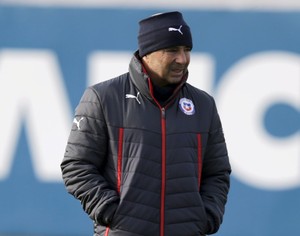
<point>146,154</point>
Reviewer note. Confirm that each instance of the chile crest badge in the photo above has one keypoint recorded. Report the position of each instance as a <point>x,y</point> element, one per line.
<point>187,106</point>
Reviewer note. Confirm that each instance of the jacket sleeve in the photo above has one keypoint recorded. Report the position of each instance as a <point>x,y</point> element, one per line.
<point>84,158</point>
<point>215,175</point>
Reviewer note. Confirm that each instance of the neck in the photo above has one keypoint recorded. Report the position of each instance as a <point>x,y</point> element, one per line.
<point>163,93</point>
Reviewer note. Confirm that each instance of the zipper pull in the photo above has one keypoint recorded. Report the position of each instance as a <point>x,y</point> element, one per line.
<point>163,113</point>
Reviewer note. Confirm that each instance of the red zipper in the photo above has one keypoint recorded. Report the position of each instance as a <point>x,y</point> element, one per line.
<point>163,172</point>
<point>163,160</point>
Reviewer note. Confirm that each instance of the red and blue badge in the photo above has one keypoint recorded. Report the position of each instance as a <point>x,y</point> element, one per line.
<point>187,106</point>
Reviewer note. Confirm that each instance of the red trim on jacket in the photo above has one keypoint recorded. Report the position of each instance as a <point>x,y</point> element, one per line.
<point>199,145</point>
<point>163,173</point>
<point>120,153</point>
<point>106,231</point>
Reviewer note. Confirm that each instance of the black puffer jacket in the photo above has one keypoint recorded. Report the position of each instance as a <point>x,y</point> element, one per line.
<point>164,169</point>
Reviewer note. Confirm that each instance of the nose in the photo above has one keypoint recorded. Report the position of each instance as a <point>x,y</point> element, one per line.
<point>183,56</point>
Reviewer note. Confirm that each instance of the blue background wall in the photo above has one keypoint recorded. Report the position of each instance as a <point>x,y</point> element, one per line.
<point>32,206</point>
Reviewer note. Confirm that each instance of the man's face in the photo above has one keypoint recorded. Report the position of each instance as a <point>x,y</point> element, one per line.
<point>167,66</point>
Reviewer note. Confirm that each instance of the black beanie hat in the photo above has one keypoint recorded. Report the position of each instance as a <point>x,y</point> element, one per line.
<point>163,30</point>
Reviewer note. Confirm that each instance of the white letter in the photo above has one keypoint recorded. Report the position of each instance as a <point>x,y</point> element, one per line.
<point>245,94</point>
<point>31,88</point>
